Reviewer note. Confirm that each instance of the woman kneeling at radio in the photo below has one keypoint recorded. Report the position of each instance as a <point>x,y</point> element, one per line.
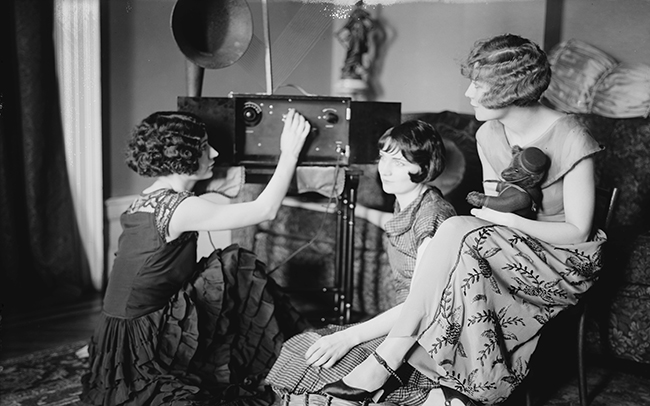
<point>173,331</point>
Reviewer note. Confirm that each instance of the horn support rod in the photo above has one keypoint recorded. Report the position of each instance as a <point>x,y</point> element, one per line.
<point>267,47</point>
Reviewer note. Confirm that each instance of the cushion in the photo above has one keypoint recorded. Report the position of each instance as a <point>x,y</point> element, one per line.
<point>624,92</point>
<point>578,69</point>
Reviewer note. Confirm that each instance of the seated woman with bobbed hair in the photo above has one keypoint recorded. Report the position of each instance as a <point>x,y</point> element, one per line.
<point>411,155</point>
<point>486,284</point>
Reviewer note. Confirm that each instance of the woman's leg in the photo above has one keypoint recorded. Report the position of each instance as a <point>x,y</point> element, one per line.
<point>370,375</point>
<point>418,310</point>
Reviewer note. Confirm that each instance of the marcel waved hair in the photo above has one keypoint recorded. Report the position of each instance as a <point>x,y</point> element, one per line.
<point>515,70</point>
<point>165,143</point>
<point>420,144</point>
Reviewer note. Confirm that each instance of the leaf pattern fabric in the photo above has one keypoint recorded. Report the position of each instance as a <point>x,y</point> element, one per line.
<point>502,288</point>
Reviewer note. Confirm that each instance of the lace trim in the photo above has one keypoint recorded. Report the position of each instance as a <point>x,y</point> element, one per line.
<point>162,203</point>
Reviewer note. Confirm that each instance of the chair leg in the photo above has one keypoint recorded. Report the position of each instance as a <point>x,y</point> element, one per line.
<point>582,378</point>
<point>529,400</point>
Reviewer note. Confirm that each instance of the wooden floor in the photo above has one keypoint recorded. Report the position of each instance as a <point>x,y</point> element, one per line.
<point>609,384</point>
<point>33,330</point>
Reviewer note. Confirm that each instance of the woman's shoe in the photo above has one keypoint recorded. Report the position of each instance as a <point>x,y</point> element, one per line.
<point>341,390</point>
<point>451,394</point>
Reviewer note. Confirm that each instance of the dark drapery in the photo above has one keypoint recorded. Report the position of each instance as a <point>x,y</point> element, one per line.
<point>41,257</point>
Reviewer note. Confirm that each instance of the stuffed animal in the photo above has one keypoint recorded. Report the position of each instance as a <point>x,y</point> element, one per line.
<point>520,191</point>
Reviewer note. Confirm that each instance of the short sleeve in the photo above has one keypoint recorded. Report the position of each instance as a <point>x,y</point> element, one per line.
<point>165,207</point>
<point>569,144</point>
<point>424,228</point>
<point>433,212</point>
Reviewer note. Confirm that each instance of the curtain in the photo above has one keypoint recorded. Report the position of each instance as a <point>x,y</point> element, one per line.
<point>41,256</point>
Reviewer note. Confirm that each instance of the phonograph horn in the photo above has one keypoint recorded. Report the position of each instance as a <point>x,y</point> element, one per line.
<point>212,34</point>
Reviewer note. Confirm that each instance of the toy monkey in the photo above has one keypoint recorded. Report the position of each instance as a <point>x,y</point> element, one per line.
<point>520,191</point>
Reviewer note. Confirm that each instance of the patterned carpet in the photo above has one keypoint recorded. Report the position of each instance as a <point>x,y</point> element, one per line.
<point>52,378</point>
<point>45,378</point>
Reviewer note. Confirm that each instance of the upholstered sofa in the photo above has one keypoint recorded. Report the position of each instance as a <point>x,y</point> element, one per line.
<point>619,320</point>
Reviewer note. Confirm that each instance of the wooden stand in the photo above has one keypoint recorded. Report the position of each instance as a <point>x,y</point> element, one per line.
<point>344,280</point>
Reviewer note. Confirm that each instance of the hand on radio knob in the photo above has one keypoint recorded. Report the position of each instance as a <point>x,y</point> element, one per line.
<point>295,131</point>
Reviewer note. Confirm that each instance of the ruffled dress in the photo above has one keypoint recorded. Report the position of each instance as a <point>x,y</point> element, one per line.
<point>478,309</point>
<point>177,332</point>
<point>405,232</point>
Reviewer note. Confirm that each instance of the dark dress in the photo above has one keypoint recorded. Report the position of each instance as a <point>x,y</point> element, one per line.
<point>405,232</point>
<point>176,332</point>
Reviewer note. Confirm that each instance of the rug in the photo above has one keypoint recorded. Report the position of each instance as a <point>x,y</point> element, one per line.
<point>53,378</point>
<point>46,378</point>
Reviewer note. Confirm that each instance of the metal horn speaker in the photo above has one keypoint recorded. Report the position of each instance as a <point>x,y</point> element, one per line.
<point>212,34</point>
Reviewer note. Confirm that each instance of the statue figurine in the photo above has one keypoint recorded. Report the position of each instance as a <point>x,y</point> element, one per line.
<point>360,35</point>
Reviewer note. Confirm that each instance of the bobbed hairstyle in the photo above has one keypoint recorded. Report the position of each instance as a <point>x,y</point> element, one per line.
<point>515,70</point>
<point>421,144</point>
<point>165,143</point>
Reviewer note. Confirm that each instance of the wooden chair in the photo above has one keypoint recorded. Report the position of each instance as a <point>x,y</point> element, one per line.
<point>606,199</point>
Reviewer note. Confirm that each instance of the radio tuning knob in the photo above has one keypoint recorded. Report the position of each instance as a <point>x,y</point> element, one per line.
<point>251,114</point>
<point>331,117</point>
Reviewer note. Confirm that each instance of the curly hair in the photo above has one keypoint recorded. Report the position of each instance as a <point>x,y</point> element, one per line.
<point>165,143</point>
<point>515,69</point>
<point>421,144</point>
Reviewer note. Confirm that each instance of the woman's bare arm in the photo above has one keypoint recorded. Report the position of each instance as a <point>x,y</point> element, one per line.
<point>198,214</point>
<point>327,350</point>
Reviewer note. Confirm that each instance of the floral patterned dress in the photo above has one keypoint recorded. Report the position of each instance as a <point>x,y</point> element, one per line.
<point>405,231</point>
<point>478,309</point>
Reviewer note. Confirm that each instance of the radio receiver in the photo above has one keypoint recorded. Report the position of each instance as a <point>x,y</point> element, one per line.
<point>245,128</point>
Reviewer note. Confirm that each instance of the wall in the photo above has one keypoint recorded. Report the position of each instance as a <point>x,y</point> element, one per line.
<point>619,27</point>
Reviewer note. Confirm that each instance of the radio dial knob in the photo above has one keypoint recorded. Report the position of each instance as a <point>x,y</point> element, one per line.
<point>331,118</point>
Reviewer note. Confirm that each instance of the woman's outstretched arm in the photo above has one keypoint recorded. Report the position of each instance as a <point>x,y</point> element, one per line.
<point>327,350</point>
<point>197,214</point>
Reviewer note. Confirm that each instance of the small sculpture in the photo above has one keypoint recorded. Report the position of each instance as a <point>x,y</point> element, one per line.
<point>520,191</point>
<point>360,35</point>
